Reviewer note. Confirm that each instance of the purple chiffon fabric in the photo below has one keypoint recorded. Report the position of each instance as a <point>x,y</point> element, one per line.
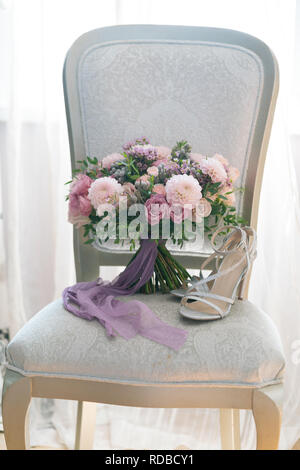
<point>97,299</point>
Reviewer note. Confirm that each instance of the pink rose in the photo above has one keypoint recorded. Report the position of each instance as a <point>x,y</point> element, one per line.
<point>79,204</point>
<point>108,161</point>
<point>106,207</point>
<point>152,171</point>
<point>203,209</point>
<point>214,168</point>
<point>159,189</point>
<point>157,209</point>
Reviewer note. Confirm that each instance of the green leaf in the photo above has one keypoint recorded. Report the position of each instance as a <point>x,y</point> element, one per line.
<point>92,174</point>
<point>92,161</point>
<point>87,228</point>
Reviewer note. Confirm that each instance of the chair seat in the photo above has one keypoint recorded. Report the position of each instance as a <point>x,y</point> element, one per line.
<point>243,349</point>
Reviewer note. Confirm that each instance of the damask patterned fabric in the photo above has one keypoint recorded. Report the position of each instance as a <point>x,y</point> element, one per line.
<point>241,349</point>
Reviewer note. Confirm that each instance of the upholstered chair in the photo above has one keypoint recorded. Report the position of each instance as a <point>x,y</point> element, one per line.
<point>217,89</point>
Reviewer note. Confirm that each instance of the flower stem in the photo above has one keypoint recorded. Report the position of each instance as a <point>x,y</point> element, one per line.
<point>168,273</point>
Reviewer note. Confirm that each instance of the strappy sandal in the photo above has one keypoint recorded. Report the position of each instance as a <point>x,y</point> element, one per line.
<point>189,286</point>
<point>233,264</point>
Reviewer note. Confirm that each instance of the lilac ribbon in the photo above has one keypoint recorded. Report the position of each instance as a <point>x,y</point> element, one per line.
<point>96,299</point>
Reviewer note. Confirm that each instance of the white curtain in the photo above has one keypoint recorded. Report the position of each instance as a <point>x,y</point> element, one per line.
<point>36,260</point>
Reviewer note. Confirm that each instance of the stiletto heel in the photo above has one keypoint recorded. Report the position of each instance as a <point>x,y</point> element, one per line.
<point>244,282</point>
<point>229,280</point>
<point>242,287</point>
<point>188,286</point>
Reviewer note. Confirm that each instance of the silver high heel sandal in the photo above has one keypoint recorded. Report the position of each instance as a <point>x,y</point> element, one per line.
<point>201,303</point>
<point>189,285</point>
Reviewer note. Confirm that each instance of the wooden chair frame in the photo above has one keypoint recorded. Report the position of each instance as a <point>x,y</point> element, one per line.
<point>265,402</point>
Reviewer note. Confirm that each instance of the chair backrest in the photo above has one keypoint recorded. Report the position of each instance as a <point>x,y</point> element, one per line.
<point>215,88</point>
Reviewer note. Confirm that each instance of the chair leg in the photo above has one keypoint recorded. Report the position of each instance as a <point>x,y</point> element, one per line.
<point>85,426</point>
<point>266,408</point>
<point>15,403</point>
<point>230,429</point>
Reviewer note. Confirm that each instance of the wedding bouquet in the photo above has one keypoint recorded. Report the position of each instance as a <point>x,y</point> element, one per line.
<point>153,192</point>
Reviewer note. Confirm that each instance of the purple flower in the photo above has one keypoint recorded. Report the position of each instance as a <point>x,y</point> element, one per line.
<point>139,141</point>
<point>147,152</point>
<point>128,145</point>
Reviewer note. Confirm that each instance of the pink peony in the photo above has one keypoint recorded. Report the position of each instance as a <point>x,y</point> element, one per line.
<point>152,171</point>
<point>163,153</point>
<point>183,189</point>
<point>108,161</point>
<point>157,209</point>
<point>215,169</point>
<point>104,190</point>
<point>196,157</point>
<point>79,204</point>
<point>159,189</point>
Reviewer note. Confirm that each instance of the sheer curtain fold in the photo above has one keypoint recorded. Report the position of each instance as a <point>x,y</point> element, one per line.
<point>38,262</point>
